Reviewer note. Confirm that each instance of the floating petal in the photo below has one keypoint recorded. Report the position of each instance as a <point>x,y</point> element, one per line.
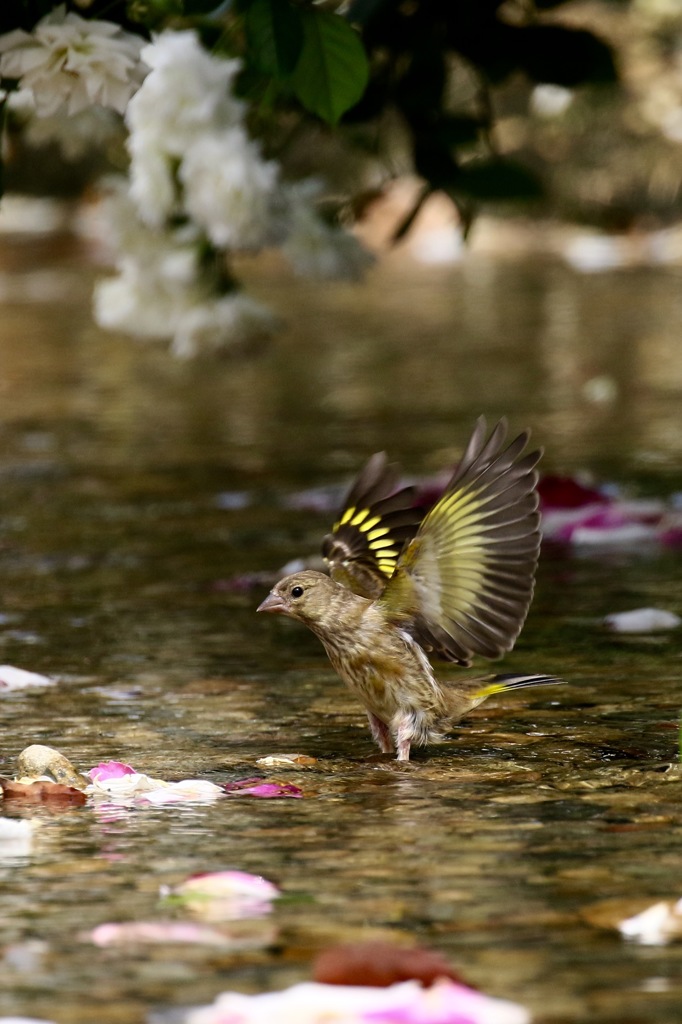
<point>642,620</point>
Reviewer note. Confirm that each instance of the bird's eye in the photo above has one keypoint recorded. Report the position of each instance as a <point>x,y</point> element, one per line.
<point>297,591</point>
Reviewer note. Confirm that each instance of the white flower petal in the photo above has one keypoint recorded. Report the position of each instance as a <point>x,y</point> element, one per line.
<point>187,93</point>
<point>152,187</point>
<point>642,620</point>
<point>141,788</point>
<point>220,324</point>
<point>16,838</point>
<point>316,249</point>
<point>654,926</point>
<point>229,188</point>
<point>73,62</point>
<point>12,678</point>
<point>141,303</point>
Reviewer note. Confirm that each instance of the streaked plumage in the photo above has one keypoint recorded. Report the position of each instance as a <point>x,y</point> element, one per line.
<point>456,585</point>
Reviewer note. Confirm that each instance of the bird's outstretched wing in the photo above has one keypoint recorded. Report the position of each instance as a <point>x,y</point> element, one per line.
<point>375,521</point>
<point>464,583</point>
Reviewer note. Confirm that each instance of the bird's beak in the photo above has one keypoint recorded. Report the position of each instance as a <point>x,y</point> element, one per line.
<point>272,603</point>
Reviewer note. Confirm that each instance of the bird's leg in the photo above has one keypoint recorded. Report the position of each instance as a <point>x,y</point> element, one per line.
<point>380,733</point>
<point>403,734</point>
<point>403,750</point>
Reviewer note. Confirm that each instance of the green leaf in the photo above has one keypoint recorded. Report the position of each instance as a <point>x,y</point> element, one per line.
<point>274,31</point>
<point>332,72</point>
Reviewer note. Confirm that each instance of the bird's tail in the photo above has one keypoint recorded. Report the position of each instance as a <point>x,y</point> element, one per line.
<point>467,694</point>
<point>500,684</point>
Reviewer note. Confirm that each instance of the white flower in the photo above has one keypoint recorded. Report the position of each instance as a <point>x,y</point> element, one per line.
<point>185,100</point>
<point>73,62</point>
<point>152,183</point>
<point>12,678</point>
<point>76,135</point>
<point>147,300</point>
<point>229,188</point>
<point>16,838</point>
<point>145,789</point>
<point>316,249</point>
<point>89,130</point>
<point>21,103</point>
<point>120,303</point>
<point>158,252</point>
<point>187,93</point>
<point>161,292</point>
<point>232,321</point>
<point>656,925</point>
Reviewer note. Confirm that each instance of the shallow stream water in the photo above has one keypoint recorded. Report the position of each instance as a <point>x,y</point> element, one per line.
<point>135,489</point>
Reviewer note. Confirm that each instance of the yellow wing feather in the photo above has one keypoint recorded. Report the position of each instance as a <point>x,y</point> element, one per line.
<point>378,517</point>
<point>464,583</point>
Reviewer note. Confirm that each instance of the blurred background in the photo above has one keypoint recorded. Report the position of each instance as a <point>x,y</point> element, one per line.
<point>515,170</point>
<point>561,164</point>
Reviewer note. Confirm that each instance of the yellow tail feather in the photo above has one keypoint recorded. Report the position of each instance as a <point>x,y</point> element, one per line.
<point>500,684</point>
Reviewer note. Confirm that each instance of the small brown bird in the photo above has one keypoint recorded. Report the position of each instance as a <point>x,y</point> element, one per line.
<point>458,584</point>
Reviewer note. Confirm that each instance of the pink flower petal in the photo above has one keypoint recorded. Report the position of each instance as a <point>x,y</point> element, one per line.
<point>110,770</point>
<point>226,895</point>
<point>566,492</point>
<point>156,932</point>
<point>671,535</point>
<point>223,883</point>
<point>599,524</point>
<point>405,1003</point>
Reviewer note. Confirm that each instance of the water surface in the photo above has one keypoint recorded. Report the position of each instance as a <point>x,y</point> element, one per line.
<point>134,488</point>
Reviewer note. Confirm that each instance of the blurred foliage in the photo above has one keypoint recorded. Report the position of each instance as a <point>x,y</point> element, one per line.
<point>398,61</point>
<point>454,91</point>
<point>376,63</point>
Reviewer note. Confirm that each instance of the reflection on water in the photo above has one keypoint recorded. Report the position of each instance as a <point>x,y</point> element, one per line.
<point>113,549</point>
<point>592,362</point>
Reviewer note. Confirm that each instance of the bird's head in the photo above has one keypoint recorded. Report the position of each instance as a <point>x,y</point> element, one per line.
<point>311,597</point>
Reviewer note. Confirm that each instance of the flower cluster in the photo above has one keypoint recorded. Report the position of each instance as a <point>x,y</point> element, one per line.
<point>200,189</point>
<point>190,153</point>
<point>163,288</point>
<point>71,63</point>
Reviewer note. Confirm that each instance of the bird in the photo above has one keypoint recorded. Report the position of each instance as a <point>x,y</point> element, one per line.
<point>403,589</point>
